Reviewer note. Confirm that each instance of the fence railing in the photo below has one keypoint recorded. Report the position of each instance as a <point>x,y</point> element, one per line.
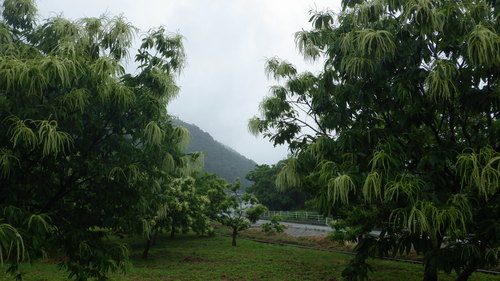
<point>299,217</point>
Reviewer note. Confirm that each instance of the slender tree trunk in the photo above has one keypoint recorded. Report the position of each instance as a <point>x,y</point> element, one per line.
<point>172,233</point>
<point>154,237</point>
<point>430,270</point>
<point>464,275</point>
<point>235,232</point>
<point>146,249</point>
<point>430,273</point>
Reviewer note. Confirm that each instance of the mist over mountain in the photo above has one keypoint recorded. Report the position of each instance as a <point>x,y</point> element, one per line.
<point>220,159</point>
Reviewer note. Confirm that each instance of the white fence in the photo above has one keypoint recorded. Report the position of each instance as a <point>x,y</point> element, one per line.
<point>299,217</point>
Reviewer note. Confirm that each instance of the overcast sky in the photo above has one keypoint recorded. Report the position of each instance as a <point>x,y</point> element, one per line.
<point>227,43</point>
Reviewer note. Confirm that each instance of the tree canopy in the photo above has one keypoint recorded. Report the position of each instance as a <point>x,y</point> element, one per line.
<point>264,189</point>
<point>399,131</point>
<point>84,144</point>
<point>239,211</point>
<point>185,204</point>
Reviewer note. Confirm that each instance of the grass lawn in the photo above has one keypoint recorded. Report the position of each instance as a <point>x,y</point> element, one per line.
<point>189,257</point>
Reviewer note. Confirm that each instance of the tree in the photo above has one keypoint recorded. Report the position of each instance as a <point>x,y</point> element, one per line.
<point>399,131</point>
<point>185,204</point>
<point>266,191</point>
<point>240,211</point>
<point>273,224</point>
<point>83,142</point>
<point>178,206</point>
<point>214,188</point>
<point>186,208</point>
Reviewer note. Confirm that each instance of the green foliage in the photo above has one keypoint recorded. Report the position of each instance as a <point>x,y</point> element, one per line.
<point>273,224</point>
<point>288,176</point>
<point>186,207</point>
<point>214,188</point>
<point>239,211</point>
<point>480,171</point>
<point>87,151</point>
<point>82,262</point>
<point>400,130</point>
<point>22,235</point>
<point>11,243</point>
<point>483,44</point>
<point>182,205</point>
<point>266,227</point>
<point>264,188</point>
<point>20,14</point>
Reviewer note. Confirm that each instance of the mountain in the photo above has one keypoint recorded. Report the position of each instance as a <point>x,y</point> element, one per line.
<point>220,159</point>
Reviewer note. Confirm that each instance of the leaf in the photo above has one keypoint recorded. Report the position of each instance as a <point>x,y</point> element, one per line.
<point>254,126</point>
<point>288,176</point>
<point>182,136</point>
<point>372,188</point>
<point>483,47</point>
<point>153,133</point>
<point>22,134</point>
<point>41,223</point>
<point>11,243</point>
<point>7,162</point>
<point>357,66</point>
<point>376,43</point>
<point>122,95</point>
<point>76,99</point>
<point>480,171</point>
<point>424,15</point>
<point>58,71</point>
<point>52,140</point>
<point>440,80</point>
<point>340,187</point>
<point>279,69</point>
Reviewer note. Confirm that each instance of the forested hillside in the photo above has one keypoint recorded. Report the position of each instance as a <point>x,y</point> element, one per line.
<point>219,158</point>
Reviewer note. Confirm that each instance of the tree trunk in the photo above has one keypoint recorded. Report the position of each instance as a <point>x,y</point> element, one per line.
<point>235,232</point>
<point>430,270</point>
<point>146,249</point>
<point>154,237</point>
<point>430,274</point>
<point>172,233</point>
<point>464,275</point>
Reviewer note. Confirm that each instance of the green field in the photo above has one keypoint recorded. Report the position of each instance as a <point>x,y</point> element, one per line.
<point>213,258</point>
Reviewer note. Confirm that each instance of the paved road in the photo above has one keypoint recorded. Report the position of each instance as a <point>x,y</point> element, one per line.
<point>299,229</point>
